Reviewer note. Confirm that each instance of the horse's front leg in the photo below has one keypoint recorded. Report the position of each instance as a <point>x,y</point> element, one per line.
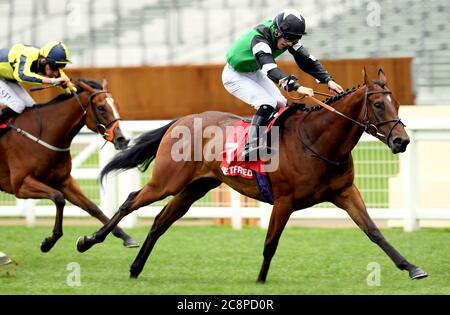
<point>350,200</point>
<point>32,188</point>
<point>281,212</point>
<point>73,193</point>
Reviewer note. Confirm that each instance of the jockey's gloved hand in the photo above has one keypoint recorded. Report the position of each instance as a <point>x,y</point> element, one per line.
<point>289,83</point>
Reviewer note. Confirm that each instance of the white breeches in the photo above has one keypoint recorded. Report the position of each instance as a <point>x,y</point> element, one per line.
<point>13,95</point>
<point>254,88</point>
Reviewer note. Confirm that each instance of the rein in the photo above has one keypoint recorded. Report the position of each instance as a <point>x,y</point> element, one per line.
<point>366,125</point>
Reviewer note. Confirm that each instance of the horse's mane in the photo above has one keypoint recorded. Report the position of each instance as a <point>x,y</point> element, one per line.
<point>65,96</point>
<point>327,101</point>
<point>296,107</point>
<point>335,98</point>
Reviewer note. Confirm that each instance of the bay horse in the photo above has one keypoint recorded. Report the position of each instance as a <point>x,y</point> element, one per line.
<point>315,165</point>
<point>35,160</point>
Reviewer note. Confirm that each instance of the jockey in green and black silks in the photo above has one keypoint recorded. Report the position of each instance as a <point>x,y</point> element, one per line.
<point>252,75</point>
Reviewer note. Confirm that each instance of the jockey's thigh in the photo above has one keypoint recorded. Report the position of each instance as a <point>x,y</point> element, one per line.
<point>13,95</point>
<point>271,88</point>
<point>248,87</point>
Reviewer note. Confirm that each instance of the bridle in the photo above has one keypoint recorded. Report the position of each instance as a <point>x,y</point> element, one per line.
<point>106,131</point>
<point>371,128</point>
<point>366,125</point>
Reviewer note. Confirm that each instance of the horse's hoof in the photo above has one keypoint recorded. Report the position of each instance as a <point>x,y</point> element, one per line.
<point>83,244</point>
<point>134,273</point>
<point>418,273</point>
<point>260,281</point>
<point>133,276</point>
<point>130,243</point>
<point>47,244</point>
<point>135,270</point>
<point>4,259</point>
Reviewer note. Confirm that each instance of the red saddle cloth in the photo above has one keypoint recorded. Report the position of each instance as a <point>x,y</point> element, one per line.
<point>5,125</point>
<point>232,163</point>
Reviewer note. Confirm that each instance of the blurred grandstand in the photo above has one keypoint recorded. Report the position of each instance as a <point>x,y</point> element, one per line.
<point>155,32</point>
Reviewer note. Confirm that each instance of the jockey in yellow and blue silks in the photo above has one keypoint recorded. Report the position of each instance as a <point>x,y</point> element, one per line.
<point>32,66</point>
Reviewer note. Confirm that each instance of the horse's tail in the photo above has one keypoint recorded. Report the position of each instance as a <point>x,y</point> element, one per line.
<point>141,154</point>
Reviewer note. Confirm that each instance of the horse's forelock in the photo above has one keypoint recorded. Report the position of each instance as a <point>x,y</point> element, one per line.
<point>380,83</point>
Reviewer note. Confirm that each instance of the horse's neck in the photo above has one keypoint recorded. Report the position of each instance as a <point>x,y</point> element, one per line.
<point>61,122</point>
<point>336,136</point>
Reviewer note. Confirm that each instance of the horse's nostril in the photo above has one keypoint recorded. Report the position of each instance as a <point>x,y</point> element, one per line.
<point>400,144</point>
<point>122,142</point>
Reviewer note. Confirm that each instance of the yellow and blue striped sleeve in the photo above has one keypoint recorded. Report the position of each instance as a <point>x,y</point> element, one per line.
<point>22,71</point>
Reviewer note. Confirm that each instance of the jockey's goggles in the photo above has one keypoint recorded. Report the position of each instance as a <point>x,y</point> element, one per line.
<point>56,66</point>
<point>291,37</point>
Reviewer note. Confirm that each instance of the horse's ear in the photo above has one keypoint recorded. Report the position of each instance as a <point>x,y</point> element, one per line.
<point>365,76</point>
<point>381,76</point>
<point>105,84</point>
<point>86,87</point>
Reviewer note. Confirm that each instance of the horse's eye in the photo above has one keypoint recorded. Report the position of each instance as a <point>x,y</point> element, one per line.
<point>101,108</point>
<point>378,104</point>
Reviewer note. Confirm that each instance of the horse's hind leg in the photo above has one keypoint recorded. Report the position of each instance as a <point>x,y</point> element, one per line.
<point>34,189</point>
<point>73,193</point>
<point>147,195</point>
<point>174,210</point>
<point>350,200</point>
<point>135,200</point>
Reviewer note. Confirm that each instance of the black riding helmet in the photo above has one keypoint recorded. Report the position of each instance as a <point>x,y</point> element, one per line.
<point>290,24</point>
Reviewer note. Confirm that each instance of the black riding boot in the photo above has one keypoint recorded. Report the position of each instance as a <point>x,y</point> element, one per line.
<point>7,113</point>
<point>254,144</point>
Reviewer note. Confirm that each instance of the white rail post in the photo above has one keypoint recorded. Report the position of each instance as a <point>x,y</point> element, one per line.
<point>129,181</point>
<point>236,219</point>
<point>410,180</point>
<point>108,195</point>
<point>264,219</point>
<point>28,209</point>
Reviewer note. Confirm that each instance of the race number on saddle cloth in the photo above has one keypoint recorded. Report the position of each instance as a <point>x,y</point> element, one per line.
<point>233,166</point>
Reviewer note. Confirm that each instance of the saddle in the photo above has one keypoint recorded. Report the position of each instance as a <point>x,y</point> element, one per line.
<point>232,165</point>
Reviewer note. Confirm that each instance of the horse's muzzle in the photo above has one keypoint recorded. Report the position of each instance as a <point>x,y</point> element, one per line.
<point>121,143</point>
<point>399,144</point>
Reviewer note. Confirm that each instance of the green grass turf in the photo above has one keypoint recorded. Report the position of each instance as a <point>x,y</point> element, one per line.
<point>220,260</point>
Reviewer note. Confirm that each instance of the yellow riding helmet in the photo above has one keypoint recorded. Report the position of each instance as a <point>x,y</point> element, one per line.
<point>55,52</point>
